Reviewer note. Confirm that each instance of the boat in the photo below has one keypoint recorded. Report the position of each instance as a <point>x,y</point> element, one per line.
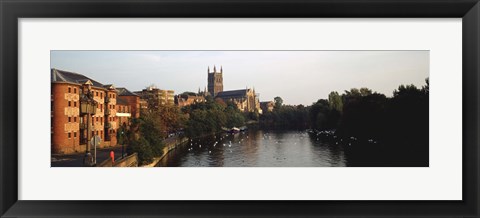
<point>234,130</point>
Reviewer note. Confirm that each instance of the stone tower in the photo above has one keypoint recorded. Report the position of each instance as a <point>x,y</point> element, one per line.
<point>215,81</point>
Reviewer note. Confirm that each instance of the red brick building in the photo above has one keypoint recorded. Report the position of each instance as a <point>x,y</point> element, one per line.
<point>81,108</point>
<point>132,99</point>
<point>124,113</point>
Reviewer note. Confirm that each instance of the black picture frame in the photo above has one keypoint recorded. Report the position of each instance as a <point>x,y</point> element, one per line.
<point>11,11</point>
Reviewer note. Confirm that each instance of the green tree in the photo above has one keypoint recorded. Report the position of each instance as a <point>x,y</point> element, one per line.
<point>278,102</point>
<point>319,114</point>
<point>335,101</point>
<point>143,149</point>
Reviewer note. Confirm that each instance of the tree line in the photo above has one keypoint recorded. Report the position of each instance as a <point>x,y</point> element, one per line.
<point>399,123</point>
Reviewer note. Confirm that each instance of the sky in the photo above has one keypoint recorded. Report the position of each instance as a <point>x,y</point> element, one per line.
<point>298,77</point>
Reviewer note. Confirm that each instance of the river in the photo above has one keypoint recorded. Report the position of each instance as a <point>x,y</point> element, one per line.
<point>257,148</point>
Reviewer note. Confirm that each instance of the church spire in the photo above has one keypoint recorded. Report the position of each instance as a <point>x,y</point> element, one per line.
<point>208,69</point>
<point>214,69</point>
<point>221,69</point>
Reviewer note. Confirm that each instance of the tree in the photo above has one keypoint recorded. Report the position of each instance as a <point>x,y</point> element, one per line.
<point>335,101</point>
<point>143,149</point>
<point>319,114</point>
<point>210,117</point>
<point>425,88</point>
<point>278,102</point>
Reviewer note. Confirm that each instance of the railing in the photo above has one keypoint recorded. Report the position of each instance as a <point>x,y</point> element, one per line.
<point>128,161</point>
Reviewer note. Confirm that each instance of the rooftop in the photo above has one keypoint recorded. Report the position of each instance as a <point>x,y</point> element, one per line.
<point>232,93</point>
<point>125,92</point>
<point>65,76</point>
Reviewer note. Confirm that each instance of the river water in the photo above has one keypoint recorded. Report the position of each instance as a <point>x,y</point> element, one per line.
<point>257,148</point>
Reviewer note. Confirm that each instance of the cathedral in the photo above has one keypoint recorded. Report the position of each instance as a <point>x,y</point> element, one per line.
<point>246,100</point>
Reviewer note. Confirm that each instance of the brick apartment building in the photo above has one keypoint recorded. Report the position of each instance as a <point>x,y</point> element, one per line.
<point>131,99</point>
<point>124,113</point>
<point>81,108</point>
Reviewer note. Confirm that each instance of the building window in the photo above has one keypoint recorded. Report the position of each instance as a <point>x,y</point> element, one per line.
<point>69,119</point>
<point>75,119</point>
<point>96,119</point>
<point>96,93</point>
<point>75,104</point>
<point>75,134</point>
<point>69,103</point>
<point>69,89</point>
<point>69,135</point>
<point>75,90</point>
<point>101,95</point>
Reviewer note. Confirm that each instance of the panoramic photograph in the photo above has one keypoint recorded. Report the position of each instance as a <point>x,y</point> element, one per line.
<point>235,108</point>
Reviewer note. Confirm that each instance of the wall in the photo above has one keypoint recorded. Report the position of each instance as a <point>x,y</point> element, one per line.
<point>60,110</point>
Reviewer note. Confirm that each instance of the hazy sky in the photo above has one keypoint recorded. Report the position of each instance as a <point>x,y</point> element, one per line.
<point>299,77</point>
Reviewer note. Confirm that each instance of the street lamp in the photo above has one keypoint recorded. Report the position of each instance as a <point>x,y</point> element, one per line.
<point>88,107</point>
<point>123,144</point>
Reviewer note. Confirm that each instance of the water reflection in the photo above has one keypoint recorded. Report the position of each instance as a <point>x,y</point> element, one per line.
<point>257,148</point>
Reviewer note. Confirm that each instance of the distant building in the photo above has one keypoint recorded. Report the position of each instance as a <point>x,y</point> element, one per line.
<point>186,99</point>
<point>132,99</point>
<point>143,104</point>
<point>81,108</point>
<point>215,81</point>
<point>244,99</point>
<point>157,97</point>
<point>267,106</point>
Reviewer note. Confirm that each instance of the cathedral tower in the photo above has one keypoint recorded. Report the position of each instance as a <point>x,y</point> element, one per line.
<point>215,81</point>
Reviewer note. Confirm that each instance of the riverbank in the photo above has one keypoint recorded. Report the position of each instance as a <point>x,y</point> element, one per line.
<point>170,144</point>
